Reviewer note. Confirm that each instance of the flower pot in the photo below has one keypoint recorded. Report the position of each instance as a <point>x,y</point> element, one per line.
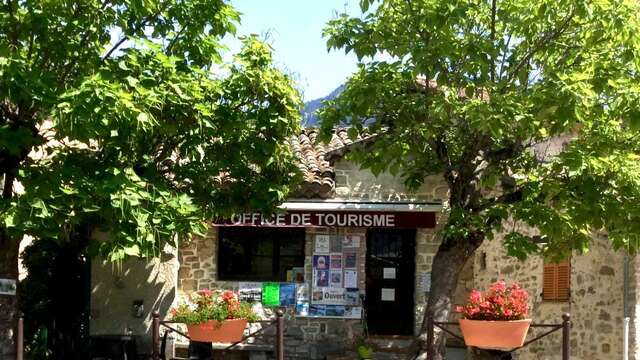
<point>228,331</point>
<point>499,335</point>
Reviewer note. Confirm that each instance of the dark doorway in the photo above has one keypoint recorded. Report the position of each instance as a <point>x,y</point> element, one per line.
<point>390,281</point>
<point>55,298</point>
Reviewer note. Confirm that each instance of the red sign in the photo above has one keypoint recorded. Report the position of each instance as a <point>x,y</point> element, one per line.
<point>389,219</point>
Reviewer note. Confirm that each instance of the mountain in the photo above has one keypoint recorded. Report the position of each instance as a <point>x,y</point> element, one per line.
<point>309,118</point>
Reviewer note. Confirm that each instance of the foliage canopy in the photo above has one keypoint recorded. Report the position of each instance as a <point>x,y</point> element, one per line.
<point>484,91</point>
<point>146,135</point>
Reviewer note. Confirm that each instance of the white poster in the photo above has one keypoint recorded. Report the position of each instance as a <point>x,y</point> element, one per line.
<point>351,241</point>
<point>335,278</point>
<point>353,312</point>
<point>389,273</point>
<point>350,279</point>
<point>302,292</point>
<point>425,282</point>
<point>250,291</point>
<point>330,296</point>
<point>323,244</point>
<point>7,287</point>
<point>388,294</point>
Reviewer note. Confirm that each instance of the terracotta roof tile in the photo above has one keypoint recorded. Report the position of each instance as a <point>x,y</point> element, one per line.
<point>313,162</point>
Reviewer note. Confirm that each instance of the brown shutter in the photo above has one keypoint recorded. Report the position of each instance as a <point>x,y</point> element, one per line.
<point>549,277</point>
<point>564,278</point>
<point>556,280</point>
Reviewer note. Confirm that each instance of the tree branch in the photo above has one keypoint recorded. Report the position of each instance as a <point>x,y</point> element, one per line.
<point>139,27</point>
<point>493,39</point>
<point>540,44</point>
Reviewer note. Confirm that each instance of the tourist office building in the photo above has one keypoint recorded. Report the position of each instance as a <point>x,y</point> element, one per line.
<point>350,254</point>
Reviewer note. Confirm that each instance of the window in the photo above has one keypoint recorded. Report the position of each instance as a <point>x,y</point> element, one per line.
<point>259,253</point>
<point>555,281</point>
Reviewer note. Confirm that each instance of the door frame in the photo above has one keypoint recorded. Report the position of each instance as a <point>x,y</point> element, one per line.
<point>407,234</point>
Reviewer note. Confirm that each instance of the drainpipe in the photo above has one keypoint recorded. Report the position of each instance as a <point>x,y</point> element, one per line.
<point>625,309</point>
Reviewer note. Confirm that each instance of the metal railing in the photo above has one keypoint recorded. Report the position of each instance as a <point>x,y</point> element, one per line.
<point>565,326</point>
<point>278,322</point>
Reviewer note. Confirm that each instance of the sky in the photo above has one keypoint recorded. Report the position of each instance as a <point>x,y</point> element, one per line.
<point>294,29</point>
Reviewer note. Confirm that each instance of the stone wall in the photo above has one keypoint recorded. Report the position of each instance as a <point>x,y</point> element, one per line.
<point>305,338</point>
<point>595,305</point>
<point>353,183</point>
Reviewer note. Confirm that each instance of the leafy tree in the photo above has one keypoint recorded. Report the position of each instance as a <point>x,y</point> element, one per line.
<point>145,136</point>
<point>477,91</point>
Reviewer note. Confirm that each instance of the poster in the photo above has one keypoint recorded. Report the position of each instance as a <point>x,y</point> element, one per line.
<point>317,296</point>
<point>329,296</point>
<point>350,279</point>
<point>334,310</point>
<point>287,294</point>
<point>270,294</point>
<point>388,273</point>
<point>302,308</point>
<point>336,243</point>
<point>323,244</point>
<point>335,278</point>
<point>322,278</point>
<point>352,297</point>
<point>336,261</point>
<point>321,262</point>
<point>317,310</point>
<point>302,292</point>
<point>388,294</point>
<point>7,287</point>
<point>353,312</point>
<point>425,282</point>
<point>250,291</point>
<point>350,260</point>
<point>297,274</point>
<point>351,241</point>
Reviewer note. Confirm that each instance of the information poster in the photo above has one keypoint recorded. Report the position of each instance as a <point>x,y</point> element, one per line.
<point>302,292</point>
<point>270,294</point>
<point>335,278</point>
<point>323,244</point>
<point>333,290</point>
<point>250,291</point>
<point>287,294</point>
<point>350,260</point>
<point>350,279</point>
<point>351,241</point>
<point>7,287</point>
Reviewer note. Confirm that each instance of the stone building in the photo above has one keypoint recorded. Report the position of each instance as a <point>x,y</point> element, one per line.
<point>386,238</point>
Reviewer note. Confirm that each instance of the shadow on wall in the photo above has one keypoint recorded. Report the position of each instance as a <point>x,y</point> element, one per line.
<point>118,290</point>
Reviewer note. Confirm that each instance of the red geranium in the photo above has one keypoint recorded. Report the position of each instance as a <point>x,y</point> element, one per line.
<point>501,302</point>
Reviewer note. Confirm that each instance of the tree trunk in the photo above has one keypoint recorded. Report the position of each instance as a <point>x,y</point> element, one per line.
<point>8,303</point>
<point>448,263</point>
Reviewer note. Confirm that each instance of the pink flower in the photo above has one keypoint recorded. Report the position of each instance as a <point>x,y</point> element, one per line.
<point>502,302</point>
<point>475,296</point>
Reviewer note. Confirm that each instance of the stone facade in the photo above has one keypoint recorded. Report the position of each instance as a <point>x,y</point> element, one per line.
<point>595,304</point>
<point>596,299</point>
<point>352,183</point>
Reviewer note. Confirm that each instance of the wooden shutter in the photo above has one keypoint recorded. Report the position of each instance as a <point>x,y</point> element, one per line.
<point>556,281</point>
<point>564,278</point>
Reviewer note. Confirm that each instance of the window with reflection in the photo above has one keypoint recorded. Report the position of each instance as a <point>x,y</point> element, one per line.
<point>259,253</point>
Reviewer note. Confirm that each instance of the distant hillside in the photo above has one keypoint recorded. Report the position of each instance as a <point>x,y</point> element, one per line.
<point>309,118</point>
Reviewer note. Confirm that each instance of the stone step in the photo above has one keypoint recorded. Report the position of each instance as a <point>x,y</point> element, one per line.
<point>392,343</point>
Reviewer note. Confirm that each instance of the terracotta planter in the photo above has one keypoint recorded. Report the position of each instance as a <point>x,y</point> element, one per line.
<point>229,331</point>
<point>500,335</point>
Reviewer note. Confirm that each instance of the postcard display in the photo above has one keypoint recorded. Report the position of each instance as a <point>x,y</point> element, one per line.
<point>334,281</point>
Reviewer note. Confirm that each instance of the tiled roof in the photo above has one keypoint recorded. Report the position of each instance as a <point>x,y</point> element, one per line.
<point>314,161</point>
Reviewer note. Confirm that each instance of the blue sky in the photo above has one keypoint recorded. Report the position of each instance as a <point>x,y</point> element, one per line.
<point>295,32</point>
